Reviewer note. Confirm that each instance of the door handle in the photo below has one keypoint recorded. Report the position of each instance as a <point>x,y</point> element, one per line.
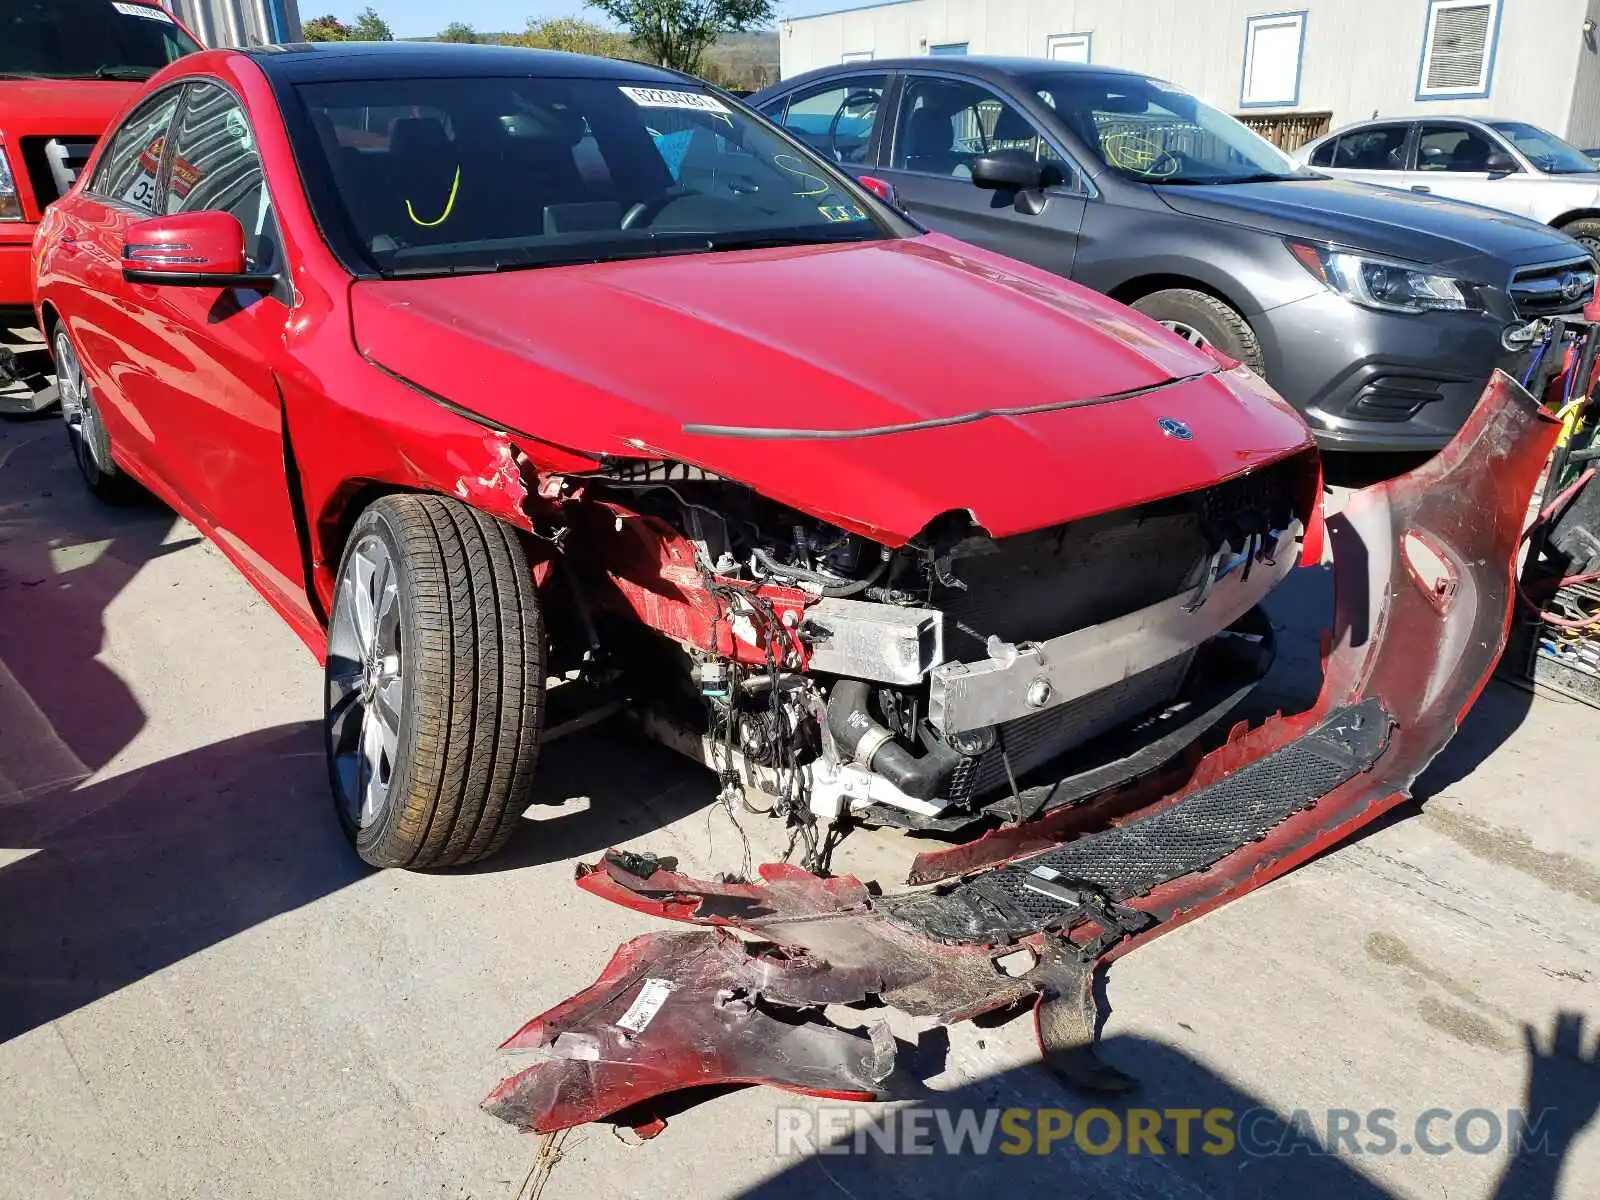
<point>1421,187</point>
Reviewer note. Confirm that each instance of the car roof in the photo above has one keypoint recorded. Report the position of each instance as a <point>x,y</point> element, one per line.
<point>1430,118</point>
<point>303,62</point>
<point>992,67</point>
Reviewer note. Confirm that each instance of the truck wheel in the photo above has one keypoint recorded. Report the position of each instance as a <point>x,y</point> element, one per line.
<point>91,443</point>
<point>435,683</point>
<point>1585,230</point>
<point>1205,321</point>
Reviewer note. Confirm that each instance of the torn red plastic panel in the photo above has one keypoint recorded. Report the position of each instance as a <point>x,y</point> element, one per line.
<point>1424,569</point>
<point>688,1009</point>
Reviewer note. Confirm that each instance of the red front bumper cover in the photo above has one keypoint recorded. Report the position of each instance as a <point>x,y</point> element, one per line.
<point>1424,570</point>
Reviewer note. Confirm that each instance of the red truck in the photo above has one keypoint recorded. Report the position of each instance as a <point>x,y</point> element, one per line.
<point>67,68</point>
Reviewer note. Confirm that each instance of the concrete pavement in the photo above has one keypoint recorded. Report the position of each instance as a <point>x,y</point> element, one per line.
<point>203,993</point>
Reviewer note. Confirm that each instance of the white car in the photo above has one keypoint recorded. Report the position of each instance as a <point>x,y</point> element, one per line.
<point>1509,165</point>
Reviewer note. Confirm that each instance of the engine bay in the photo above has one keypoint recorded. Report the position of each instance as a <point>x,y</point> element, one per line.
<point>955,679</point>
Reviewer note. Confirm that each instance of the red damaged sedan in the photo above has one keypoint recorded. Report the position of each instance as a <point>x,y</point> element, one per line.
<point>490,367</point>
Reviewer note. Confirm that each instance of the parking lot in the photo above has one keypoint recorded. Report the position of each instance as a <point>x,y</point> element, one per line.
<point>203,993</point>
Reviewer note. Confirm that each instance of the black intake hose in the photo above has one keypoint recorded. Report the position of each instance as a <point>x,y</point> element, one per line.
<point>862,739</point>
<point>830,587</point>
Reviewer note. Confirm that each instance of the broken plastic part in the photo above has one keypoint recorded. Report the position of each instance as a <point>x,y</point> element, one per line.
<point>1400,672</point>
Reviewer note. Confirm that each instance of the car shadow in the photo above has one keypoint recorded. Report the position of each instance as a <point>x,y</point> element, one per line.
<point>597,789</point>
<point>104,880</point>
<point>131,874</point>
<point>1270,1155</point>
<point>1289,1159</point>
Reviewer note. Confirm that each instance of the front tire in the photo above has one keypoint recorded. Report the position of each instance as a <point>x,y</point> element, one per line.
<point>1202,320</point>
<point>1585,230</point>
<point>86,429</point>
<point>435,683</point>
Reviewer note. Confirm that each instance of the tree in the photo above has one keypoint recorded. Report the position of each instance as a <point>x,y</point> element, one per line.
<point>675,33</point>
<point>577,36</point>
<point>325,29</point>
<point>458,31</point>
<point>370,27</point>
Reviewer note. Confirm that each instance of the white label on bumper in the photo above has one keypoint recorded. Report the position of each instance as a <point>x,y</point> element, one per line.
<point>645,1006</point>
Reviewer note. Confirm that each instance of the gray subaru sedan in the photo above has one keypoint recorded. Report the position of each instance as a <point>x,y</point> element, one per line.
<point>1379,314</point>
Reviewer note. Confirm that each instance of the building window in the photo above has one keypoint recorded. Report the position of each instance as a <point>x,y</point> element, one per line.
<point>949,48</point>
<point>1458,47</point>
<point>856,56</point>
<point>1068,47</point>
<point>1272,50</point>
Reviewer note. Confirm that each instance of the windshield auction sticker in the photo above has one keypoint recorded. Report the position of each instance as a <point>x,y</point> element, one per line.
<point>666,98</point>
<point>141,10</point>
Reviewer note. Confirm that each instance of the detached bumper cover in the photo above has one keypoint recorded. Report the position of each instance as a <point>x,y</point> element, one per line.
<point>1424,568</point>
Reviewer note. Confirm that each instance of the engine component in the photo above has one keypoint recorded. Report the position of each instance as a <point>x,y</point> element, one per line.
<point>858,736</point>
<point>1003,687</point>
<point>881,642</point>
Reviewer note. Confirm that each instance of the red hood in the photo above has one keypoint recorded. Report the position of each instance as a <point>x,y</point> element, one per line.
<point>619,358</point>
<point>75,107</point>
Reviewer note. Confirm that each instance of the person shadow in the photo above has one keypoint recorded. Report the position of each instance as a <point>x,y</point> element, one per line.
<point>1560,1099</point>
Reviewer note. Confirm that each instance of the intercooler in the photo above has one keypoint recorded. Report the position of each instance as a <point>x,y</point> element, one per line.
<point>1040,585</point>
<point>1033,741</point>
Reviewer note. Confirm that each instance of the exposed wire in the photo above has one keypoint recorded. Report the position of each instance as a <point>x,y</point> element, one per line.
<point>1546,515</point>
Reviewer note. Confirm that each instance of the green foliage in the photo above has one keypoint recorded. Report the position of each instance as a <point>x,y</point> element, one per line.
<point>370,27</point>
<point>576,36</point>
<point>676,33</point>
<point>458,31</point>
<point>326,28</point>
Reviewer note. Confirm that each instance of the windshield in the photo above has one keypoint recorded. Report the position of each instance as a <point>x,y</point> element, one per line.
<point>1155,132</point>
<point>436,176</point>
<point>87,39</point>
<point>1543,149</point>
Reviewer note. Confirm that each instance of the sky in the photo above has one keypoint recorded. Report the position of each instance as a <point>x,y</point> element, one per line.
<point>421,18</point>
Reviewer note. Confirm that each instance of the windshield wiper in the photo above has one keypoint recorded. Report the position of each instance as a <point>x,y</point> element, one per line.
<point>1264,177</point>
<point>21,75</point>
<point>133,74</point>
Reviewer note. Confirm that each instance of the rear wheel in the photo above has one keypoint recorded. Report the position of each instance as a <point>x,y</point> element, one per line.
<point>435,683</point>
<point>1585,230</point>
<point>91,443</point>
<point>1203,320</point>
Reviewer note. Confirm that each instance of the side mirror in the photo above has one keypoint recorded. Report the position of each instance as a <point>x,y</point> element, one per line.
<point>1500,163</point>
<point>1010,170</point>
<point>198,249</point>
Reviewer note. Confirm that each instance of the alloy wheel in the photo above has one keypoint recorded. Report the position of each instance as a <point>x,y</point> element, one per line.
<point>80,412</point>
<point>366,684</point>
<point>1188,333</point>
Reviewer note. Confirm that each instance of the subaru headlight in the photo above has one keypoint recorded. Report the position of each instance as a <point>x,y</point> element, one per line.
<point>10,202</point>
<point>1384,284</point>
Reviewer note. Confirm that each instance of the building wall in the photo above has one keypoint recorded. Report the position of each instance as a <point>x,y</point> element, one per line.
<point>240,23</point>
<point>1583,126</point>
<point>1359,56</point>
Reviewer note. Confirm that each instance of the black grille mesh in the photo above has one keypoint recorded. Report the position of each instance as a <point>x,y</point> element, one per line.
<point>1190,836</point>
